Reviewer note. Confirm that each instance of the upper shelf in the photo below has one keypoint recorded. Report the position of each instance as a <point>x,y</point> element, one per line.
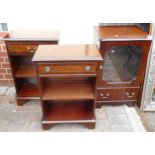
<point>32,35</point>
<point>131,32</point>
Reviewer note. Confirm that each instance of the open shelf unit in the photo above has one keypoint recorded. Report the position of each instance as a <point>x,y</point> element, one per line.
<point>68,111</point>
<point>67,78</point>
<point>67,100</point>
<point>20,53</point>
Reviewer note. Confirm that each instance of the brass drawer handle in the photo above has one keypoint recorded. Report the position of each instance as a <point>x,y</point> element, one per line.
<point>88,68</point>
<point>130,95</point>
<point>30,49</point>
<point>104,95</point>
<point>47,69</point>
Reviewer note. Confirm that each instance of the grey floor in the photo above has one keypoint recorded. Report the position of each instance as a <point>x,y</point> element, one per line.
<point>27,118</point>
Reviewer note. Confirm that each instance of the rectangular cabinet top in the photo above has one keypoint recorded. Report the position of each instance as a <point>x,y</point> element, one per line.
<point>32,35</point>
<point>131,32</point>
<point>67,53</point>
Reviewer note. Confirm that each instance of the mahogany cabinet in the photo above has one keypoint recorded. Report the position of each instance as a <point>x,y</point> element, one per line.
<point>67,83</point>
<point>21,46</point>
<point>125,50</point>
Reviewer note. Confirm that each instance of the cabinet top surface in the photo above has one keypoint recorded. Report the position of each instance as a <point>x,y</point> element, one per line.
<point>67,53</point>
<point>30,35</point>
<point>121,32</point>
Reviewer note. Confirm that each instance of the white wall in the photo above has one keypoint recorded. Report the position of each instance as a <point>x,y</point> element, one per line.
<point>75,18</point>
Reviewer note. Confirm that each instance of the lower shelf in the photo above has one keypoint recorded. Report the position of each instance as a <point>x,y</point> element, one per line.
<point>29,91</point>
<point>68,112</point>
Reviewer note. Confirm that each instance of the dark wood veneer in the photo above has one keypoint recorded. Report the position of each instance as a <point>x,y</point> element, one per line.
<point>67,88</point>
<point>20,53</point>
<point>68,111</point>
<point>121,92</point>
<point>113,94</point>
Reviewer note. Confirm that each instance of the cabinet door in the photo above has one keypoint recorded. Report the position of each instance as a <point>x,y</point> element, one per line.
<point>124,63</point>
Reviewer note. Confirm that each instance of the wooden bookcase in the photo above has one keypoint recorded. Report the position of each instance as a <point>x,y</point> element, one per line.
<point>21,47</point>
<point>67,82</point>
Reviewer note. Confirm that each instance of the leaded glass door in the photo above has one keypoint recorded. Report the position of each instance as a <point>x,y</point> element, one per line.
<point>123,63</point>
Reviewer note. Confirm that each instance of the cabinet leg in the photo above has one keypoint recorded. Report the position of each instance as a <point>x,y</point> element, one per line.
<point>90,125</point>
<point>47,126</point>
<point>20,102</point>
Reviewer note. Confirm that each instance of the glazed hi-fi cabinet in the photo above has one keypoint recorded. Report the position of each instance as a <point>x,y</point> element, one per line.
<point>21,46</point>
<point>124,50</point>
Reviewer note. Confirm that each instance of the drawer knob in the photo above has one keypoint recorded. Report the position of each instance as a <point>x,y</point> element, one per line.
<point>127,93</point>
<point>107,94</point>
<point>130,95</point>
<point>101,67</point>
<point>87,68</point>
<point>32,51</point>
<point>28,48</point>
<point>104,95</point>
<point>47,69</point>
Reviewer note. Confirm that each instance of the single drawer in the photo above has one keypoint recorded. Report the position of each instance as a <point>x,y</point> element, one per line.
<point>118,94</point>
<point>21,48</point>
<point>74,68</point>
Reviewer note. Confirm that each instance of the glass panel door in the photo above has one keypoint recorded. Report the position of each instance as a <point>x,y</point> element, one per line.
<point>121,64</point>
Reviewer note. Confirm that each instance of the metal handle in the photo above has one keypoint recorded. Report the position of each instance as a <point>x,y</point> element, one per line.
<point>28,47</point>
<point>101,67</point>
<point>32,51</point>
<point>88,68</point>
<point>130,96</point>
<point>47,69</point>
<point>105,95</point>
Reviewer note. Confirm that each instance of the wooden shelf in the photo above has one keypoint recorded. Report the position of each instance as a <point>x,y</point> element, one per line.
<point>68,111</point>
<point>29,91</point>
<point>68,91</point>
<point>26,70</point>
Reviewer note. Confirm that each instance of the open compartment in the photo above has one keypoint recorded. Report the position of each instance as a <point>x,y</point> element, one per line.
<point>23,66</point>
<point>65,88</point>
<point>68,111</point>
<point>27,88</point>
